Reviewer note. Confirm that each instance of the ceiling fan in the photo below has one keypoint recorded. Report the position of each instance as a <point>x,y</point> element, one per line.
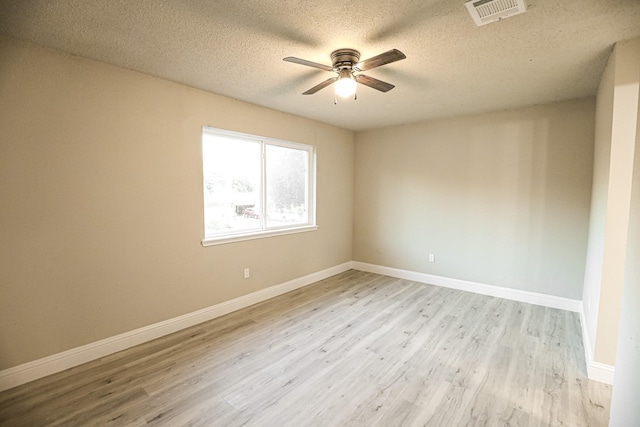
<point>346,63</point>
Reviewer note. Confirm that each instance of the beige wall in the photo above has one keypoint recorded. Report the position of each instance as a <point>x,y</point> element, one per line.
<point>615,145</point>
<point>599,195</point>
<point>500,198</point>
<point>101,202</point>
<point>625,410</point>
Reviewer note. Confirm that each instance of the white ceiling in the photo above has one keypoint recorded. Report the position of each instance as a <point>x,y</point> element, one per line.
<point>555,51</point>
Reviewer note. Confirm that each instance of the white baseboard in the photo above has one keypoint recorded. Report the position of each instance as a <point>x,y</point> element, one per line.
<point>595,370</point>
<point>40,368</point>
<point>478,288</point>
<point>600,372</point>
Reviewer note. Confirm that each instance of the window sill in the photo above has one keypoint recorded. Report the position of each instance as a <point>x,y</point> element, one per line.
<point>256,235</point>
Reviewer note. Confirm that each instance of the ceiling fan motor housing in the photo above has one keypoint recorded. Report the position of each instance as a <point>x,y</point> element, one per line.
<point>344,58</point>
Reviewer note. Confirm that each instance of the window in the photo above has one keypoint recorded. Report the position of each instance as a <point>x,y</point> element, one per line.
<point>255,187</point>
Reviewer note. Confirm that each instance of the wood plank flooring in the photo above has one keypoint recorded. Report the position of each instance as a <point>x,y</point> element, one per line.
<point>357,349</point>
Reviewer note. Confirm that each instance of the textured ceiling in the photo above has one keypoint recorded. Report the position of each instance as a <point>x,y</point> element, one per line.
<point>555,51</point>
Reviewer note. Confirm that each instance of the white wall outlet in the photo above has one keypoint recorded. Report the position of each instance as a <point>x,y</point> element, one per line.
<point>432,258</point>
<point>247,273</point>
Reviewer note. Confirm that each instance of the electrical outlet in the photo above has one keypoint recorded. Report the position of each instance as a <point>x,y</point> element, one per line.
<point>246,273</point>
<point>432,258</point>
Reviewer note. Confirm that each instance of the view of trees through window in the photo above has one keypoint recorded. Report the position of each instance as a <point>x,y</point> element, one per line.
<point>253,185</point>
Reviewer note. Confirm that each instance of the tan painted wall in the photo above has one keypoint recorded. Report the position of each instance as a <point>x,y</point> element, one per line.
<point>500,198</point>
<point>101,202</point>
<point>599,196</point>
<point>619,108</point>
<point>625,410</point>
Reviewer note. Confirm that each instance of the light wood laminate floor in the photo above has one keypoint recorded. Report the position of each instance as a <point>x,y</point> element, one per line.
<point>357,349</point>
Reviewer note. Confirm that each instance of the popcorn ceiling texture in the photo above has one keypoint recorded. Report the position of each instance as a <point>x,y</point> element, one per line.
<point>555,51</point>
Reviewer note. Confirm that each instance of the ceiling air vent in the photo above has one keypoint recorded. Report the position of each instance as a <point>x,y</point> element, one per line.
<point>487,11</point>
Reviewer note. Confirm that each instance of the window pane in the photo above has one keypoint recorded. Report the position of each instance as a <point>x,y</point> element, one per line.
<point>254,186</point>
<point>232,193</point>
<point>287,186</point>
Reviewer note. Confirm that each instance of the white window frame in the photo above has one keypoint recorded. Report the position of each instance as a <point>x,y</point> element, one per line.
<point>264,231</point>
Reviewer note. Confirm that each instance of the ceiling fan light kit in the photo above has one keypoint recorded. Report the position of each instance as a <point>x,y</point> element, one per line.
<point>346,84</point>
<point>346,63</point>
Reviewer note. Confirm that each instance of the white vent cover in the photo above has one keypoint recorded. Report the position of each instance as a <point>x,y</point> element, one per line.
<point>487,11</point>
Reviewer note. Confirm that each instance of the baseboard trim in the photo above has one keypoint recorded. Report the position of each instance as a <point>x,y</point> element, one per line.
<point>596,371</point>
<point>478,288</point>
<point>600,372</point>
<point>40,368</point>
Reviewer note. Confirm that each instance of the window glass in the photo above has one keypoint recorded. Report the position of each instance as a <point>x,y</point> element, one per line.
<point>253,185</point>
<point>287,186</point>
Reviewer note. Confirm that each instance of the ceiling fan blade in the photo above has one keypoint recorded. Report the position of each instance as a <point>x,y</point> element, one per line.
<point>307,63</point>
<point>374,83</point>
<point>384,58</point>
<point>320,86</point>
